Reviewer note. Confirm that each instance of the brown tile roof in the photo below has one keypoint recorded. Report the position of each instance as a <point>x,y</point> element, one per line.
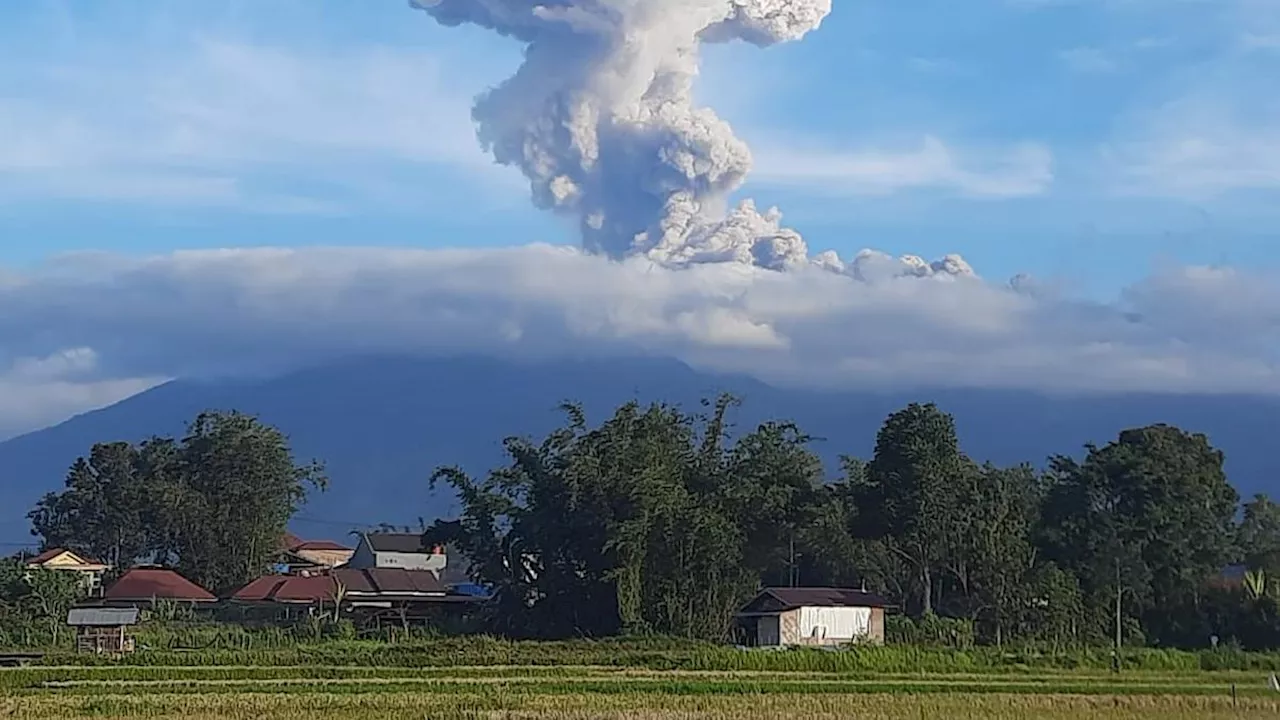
<point>46,556</point>
<point>320,545</point>
<point>143,584</point>
<point>791,598</point>
<point>390,581</point>
<point>52,553</point>
<point>288,589</point>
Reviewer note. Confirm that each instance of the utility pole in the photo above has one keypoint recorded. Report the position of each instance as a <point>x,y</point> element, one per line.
<point>791,563</point>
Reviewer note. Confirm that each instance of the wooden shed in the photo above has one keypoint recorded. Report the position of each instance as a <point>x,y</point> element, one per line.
<point>103,629</point>
<point>781,617</point>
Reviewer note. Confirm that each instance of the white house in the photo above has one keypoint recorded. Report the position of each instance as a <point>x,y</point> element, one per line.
<point>90,571</point>
<point>404,551</point>
<point>814,616</point>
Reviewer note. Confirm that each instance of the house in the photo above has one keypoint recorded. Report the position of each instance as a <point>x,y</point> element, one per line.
<point>300,555</point>
<point>403,551</point>
<point>143,586</point>
<point>90,571</point>
<point>103,630</point>
<point>782,617</point>
<point>287,597</point>
<point>369,594</point>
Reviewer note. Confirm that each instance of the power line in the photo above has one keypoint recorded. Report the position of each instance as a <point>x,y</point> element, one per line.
<point>335,523</point>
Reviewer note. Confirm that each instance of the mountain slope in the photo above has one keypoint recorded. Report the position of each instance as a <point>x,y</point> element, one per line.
<point>382,425</point>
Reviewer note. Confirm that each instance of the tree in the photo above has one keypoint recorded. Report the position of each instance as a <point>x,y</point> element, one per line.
<point>912,481</point>
<point>50,595</point>
<point>214,503</point>
<point>35,598</point>
<point>651,521</point>
<point>993,546</point>
<point>234,485</point>
<point>1259,535</point>
<point>104,512</point>
<point>1142,521</point>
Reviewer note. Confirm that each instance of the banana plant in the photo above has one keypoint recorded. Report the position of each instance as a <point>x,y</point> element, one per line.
<point>1255,584</point>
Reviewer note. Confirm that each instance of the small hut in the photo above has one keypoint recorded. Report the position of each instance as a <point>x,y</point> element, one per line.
<point>103,629</point>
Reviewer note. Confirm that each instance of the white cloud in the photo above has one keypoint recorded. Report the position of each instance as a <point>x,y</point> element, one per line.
<point>1219,134</point>
<point>1205,128</point>
<point>231,123</point>
<point>1088,60</point>
<point>37,391</point>
<point>1186,330</point>
<point>1016,171</point>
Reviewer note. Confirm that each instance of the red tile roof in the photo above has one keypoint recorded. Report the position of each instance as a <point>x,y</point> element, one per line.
<point>293,543</point>
<point>142,584</point>
<point>46,556</point>
<point>288,589</point>
<point>52,553</point>
<point>321,545</point>
<point>370,584</point>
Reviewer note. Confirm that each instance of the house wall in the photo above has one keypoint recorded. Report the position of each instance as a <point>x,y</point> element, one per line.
<point>835,623</point>
<point>90,573</point>
<point>877,627</point>
<point>767,631</point>
<point>818,626</point>
<point>789,627</point>
<point>410,561</point>
<point>364,558</point>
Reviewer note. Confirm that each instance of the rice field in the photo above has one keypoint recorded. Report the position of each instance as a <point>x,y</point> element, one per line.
<point>590,692</point>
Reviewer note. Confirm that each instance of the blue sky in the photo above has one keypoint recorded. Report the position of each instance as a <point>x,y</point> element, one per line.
<point>1117,133</point>
<point>317,159</point>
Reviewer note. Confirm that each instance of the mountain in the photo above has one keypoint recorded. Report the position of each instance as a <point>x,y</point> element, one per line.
<point>382,425</point>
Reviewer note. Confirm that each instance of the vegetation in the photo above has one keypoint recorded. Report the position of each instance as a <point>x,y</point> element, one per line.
<point>232,650</point>
<point>660,521</point>
<point>34,604</point>
<point>652,703</point>
<point>213,504</point>
<point>649,677</point>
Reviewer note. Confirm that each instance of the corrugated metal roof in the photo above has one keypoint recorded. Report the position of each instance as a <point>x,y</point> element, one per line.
<point>102,617</point>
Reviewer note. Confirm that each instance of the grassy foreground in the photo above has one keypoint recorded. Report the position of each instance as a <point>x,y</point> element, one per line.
<point>233,677</point>
<point>582,692</point>
<point>632,706</point>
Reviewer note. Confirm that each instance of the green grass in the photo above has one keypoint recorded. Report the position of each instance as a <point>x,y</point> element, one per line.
<point>592,692</point>
<point>603,680</point>
<point>635,679</point>
<point>633,706</point>
<point>666,654</point>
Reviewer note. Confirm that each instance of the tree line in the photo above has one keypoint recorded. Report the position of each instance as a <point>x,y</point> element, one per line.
<point>659,520</point>
<point>663,521</point>
<point>212,504</point>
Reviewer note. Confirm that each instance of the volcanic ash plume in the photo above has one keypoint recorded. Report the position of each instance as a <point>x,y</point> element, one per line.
<point>600,118</point>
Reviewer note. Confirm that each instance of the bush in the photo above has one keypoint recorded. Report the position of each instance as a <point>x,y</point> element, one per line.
<point>929,631</point>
